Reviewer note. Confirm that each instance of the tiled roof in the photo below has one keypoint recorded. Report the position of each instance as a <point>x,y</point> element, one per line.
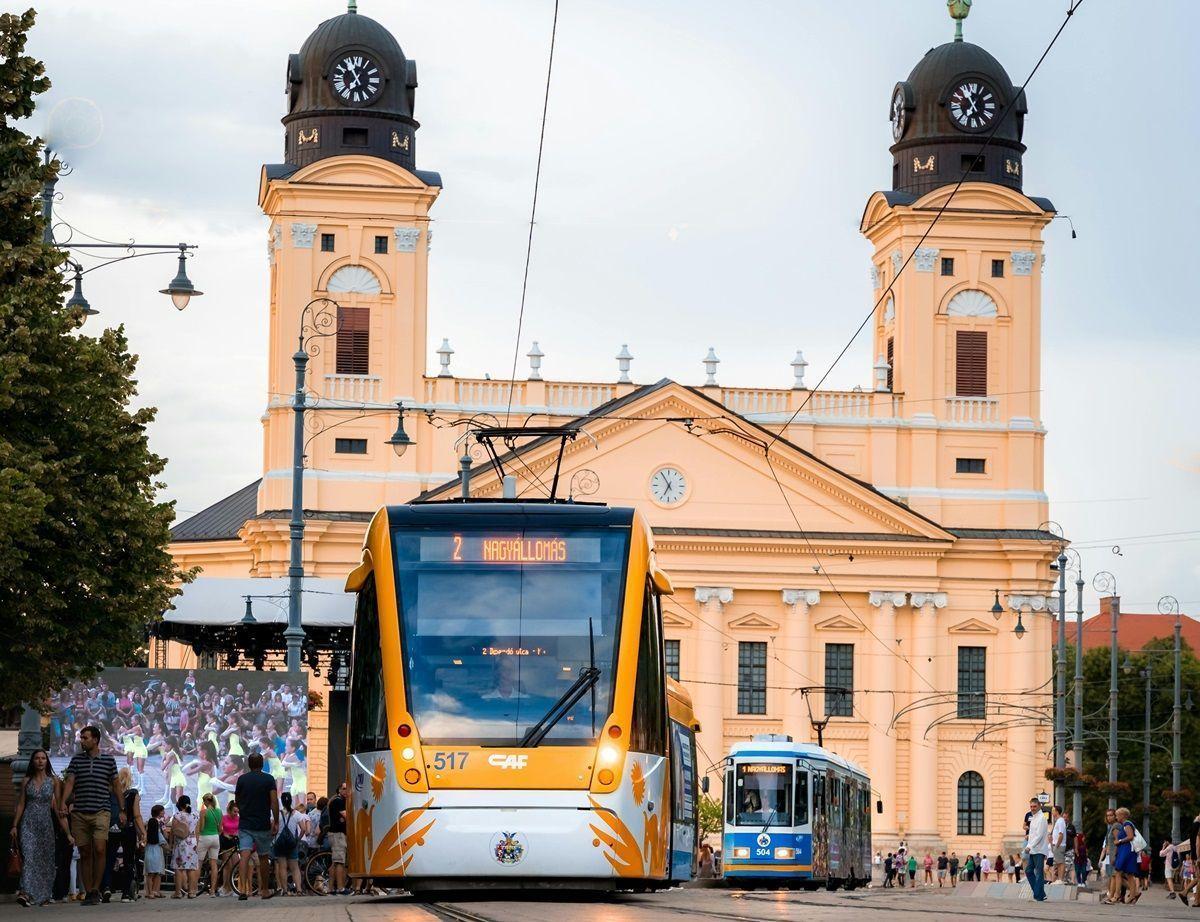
<point>222,520</point>
<point>1026,534</point>
<point>1134,631</point>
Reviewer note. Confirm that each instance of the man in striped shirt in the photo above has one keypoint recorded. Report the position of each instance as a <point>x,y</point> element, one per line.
<point>91,776</point>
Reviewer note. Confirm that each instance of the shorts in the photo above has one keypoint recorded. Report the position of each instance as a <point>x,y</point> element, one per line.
<point>259,839</point>
<point>941,873</point>
<point>87,828</point>
<point>284,854</point>
<point>208,847</point>
<point>154,859</point>
<point>1060,855</point>
<point>337,847</point>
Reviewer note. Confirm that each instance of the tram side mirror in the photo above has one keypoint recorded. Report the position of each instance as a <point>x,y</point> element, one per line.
<point>704,784</point>
<point>879,806</point>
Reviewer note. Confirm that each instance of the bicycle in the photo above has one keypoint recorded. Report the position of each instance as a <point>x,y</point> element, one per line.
<point>224,858</point>
<point>315,871</point>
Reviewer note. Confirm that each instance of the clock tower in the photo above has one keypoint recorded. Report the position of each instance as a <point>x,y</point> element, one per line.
<point>349,234</point>
<point>957,336</point>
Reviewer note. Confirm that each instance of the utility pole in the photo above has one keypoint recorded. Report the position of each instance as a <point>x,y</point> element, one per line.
<point>1166,605</point>
<point>1114,602</point>
<point>1060,677</point>
<point>1147,673</point>
<point>1077,795</point>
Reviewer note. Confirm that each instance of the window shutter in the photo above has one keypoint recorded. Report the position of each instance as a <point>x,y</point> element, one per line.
<point>891,374</point>
<point>971,363</point>
<point>353,340</point>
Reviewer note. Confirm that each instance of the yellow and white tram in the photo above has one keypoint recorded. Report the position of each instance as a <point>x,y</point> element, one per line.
<point>511,722</point>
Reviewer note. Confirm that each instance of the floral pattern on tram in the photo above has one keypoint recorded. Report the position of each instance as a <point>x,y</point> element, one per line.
<point>395,849</point>
<point>629,854</point>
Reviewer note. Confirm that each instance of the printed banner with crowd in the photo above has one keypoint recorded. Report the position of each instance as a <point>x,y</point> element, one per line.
<point>188,731</point>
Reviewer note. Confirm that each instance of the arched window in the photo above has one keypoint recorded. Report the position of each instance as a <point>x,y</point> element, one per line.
<point>358,279</point>
<point>970,804</point>
<point>971,303</point>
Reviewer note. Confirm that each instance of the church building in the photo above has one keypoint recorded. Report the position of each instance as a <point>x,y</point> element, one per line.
<point>888,540</point>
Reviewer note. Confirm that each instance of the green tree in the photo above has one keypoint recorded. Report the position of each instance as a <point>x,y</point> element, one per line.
<point>712,817</point>
<point>1131,719</point>
<point>84,566</point>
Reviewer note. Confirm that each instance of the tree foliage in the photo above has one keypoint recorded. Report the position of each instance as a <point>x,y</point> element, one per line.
<point>1131,722</point>
<point>84,566</point>
<point>712,817</point>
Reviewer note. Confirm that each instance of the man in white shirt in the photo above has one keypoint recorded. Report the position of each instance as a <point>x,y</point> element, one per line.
<point>1037,844</point>
<point>1058,843</point>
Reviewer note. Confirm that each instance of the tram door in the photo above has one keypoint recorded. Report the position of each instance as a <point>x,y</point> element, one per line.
<point>820,826</point>
<point>684,819</point>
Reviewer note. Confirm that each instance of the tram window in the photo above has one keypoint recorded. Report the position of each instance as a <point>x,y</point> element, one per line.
<point>763,794</point>
<point>683,773</point>
<point>801,798</point>
<point>647,734</point>
<point>368,716</point>
<point>729,798</point>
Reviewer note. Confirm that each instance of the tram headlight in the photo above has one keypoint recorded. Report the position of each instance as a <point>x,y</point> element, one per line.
<point>609,755</point>
<point>785,853</point>
<point>407,754</point>
<point>741,853</point>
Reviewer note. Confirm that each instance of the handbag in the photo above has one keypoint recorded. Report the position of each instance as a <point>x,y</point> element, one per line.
<point>14,863</point>
<point>1139,844</point>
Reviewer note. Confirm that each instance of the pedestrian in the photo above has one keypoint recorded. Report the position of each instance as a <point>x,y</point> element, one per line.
<point>1014,862</point>
<point>258,821</point>
<point>953,868</point>
<point>1037,842</point>
<point>979,867</point>
<point>969,868</point>
<point>91,779</point>
<point>313,810</point>
<point>928,866</point>
<point>1125,865</point>
<point>889,870</point>
<point>155,835</point>
<point>1079,847</point>
<point>37,815</point>
<point>184,857</point>
<point>229,839</point>
<point>337,841</point>
<point>1172,871</point>
<point>1108,854</point>
<point>943,865</point>
<point>998,868</point>
<point>912,871</point>
<point>208,840</point>
<point>706,861</point>
<point>1069,874</point>
<point>292,829</point>
<point>133,834</point>
<point>1191,863</point>
<point>877,862</point>
<point>985,867</point>
<point>1058,843</point>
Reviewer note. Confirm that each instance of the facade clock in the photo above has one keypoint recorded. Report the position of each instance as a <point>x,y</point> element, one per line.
<point>668,486</point>
<point>899,114</point>
<point>356,79</point>
<point>973,105</point>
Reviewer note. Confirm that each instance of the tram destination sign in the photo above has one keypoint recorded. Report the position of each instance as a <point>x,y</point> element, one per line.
<point>510,549</point>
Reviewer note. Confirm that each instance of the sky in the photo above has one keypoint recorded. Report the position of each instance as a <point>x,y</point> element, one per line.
<point>705,168</point>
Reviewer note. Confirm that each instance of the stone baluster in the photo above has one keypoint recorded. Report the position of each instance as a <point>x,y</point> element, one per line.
<point>535,356</point>
<point>624,357</point>
<point>710,368</point>
<point>444,352</point>
<point>708,694</point>
<point>881,737</point>
<point>798,367</point>
<point>798,653</point>
<point>923,817</point>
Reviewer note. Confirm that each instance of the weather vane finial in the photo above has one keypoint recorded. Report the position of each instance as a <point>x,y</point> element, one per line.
<point>352,6</point>
<point>958,12</point>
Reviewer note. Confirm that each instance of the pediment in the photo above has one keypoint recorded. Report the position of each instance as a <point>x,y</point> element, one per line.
<point>732,488</point>
<point>756,621</point>
<point>839,623</point>
<point>973,626</point>
<point>980,196</point>
<point>675,619</point>
<point>357,171</point>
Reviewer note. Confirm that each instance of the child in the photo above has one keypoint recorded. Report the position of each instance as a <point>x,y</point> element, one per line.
<point>154,853</point>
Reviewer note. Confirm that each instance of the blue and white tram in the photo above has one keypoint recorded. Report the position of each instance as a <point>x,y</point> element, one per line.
<point>795,815</point>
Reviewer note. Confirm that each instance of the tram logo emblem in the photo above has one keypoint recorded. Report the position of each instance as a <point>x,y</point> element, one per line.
<point>508,848</point>
<point>763,840</point>
<point>359,777</point>
<point>499,760</point>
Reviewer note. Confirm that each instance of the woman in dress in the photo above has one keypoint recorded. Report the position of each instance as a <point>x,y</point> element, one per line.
<point>294,764</point>
<point>173,779</point>
<point>184,857</point>
<point>133,833</point>
<point>1125,868</point>
<point>229,839</point>
<point>33,829</point>
<point>233,738</point>
<point>156,835</point>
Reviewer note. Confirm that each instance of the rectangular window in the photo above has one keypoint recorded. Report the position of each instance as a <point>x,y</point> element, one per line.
<point>353,340</point>
<point>327,243</point>
<point>839,679</point>
<point>973,163</point>
<point>970,466</point>
<point>648,729</point>
<point>970,363</point>
<point>752,677</point>
<point>381,244</point>
<point>997,268</point>
<point>947,265</point>
<point>891,351</point>
<point>972,686</point>
<point>672,651</point>
<point>350,446</point>
<point>354,137</point>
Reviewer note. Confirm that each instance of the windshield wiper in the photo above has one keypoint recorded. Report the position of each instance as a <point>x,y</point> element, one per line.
<point>587,679</point>
<point>770,817</point>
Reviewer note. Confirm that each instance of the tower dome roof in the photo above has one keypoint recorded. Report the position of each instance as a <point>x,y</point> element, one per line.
<point>944,113</point>
<point>351,90</point>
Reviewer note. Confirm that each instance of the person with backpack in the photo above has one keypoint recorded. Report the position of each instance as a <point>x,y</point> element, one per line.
<point>293,827</point>
<point>1172,866</point>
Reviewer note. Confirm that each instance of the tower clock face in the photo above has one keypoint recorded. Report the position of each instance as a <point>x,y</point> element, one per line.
<point>973,105</point>
<point>899,114</point>
<point>356,79</point>
<point>668,486</point>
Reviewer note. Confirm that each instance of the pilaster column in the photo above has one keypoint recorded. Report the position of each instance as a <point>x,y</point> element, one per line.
<point>923,742</point>
<point>881,738</point>
<point>798,653</point>
<point>708,695</point>
<point>1024,762</point>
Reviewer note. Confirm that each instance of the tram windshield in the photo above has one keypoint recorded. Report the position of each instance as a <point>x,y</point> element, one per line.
<point>500,626</point>
<point>762,794</point>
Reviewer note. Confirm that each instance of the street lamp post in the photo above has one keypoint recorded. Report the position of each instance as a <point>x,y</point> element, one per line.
<point>1106,582</point>
<point>1060,676</point>
<point>1146,674</point>
<point>315,324</point>
<point>1077,795</point>
<point>1169,605</point>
